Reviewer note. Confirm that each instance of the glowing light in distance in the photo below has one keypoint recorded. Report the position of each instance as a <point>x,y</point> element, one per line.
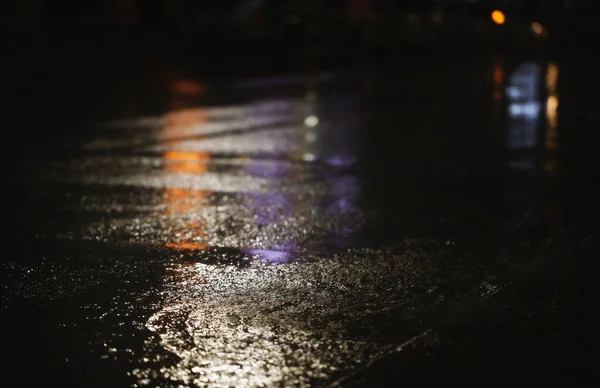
<point>309,157</point>
<point>311,121</point>
<point>498,17</point>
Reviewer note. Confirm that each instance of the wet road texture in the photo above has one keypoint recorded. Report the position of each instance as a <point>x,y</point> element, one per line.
<point>428,222</point>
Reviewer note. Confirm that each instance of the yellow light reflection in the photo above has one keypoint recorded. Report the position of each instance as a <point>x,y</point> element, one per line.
<point>552,115</point>
<point>552,78</point>
<point>183,204</point>
<point>551,110</point>
<point>552,104</point>
<point>537,28</point>
<point>498,17</point>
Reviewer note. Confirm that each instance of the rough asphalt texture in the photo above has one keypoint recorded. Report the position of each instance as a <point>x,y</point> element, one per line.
<point>428,222</point>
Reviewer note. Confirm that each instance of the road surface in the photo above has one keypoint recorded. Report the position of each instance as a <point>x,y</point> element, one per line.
<point>425,222</point>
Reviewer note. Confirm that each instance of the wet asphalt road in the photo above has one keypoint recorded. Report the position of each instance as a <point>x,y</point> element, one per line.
<point>421,223</point>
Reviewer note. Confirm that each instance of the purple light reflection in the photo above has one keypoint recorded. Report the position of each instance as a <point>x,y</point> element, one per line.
<point>268,168</point>
<point>346,190</point>
<point>340,160</point>
<point>268,255</point>
<point>269,208</point>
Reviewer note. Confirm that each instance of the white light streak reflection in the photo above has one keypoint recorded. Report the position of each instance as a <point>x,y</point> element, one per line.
<point>523,107</point>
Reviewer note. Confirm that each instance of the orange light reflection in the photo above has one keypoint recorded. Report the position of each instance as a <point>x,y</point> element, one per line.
<point>182,204</point>
<point>187,88</point>
<point>498,80</point>
<point>498,75</point>
<point>552,78</point>
<point>176,155</point>
<point>551,117</point>
<point>186,162</point>
<point>184,118</point>
<point>552,107</point>
<point>187,246</point>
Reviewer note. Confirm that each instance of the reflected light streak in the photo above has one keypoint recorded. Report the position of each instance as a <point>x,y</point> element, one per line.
<point>182,204</point>
<point>268,255</point>
<point>498,75</point>
<point>187,88</point>
<point>268,169</point>
<point>260,109</point>
<point>187,246</point>
<point>186,162</point>
<point>193,156</point>
<point>552,109</point>
<point>340,160</point>
<point>513,92</point>
<point>184,118</point>
<point>498,80</point>
<point>524,108</point>
<point>552,77</point>
<point>528,109</point>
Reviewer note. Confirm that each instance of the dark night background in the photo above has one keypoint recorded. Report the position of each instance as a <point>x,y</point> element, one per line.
<point>299,192</point>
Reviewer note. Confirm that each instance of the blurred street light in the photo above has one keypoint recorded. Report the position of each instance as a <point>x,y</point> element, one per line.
<point>498,17</point>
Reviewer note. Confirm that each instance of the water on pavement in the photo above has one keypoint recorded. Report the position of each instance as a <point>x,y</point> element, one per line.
<point>285,230</point>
